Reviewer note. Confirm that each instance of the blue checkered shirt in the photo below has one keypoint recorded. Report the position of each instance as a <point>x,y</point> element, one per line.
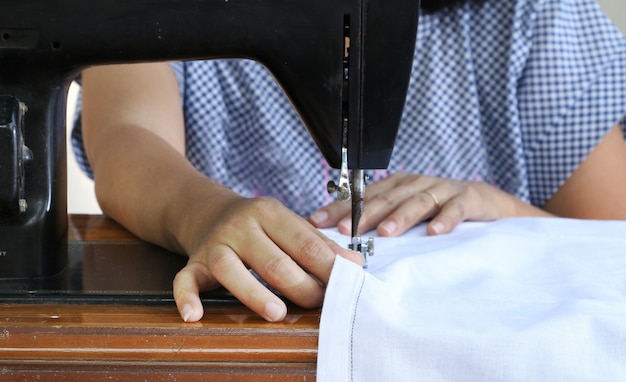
<point>514,93</point>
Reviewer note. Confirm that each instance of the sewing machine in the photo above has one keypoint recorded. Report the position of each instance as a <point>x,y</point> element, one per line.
<point>344,64</point>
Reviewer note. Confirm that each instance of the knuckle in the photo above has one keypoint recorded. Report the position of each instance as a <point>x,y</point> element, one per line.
<point>263,206</point>
<point>182,282</point>
<point>384,198</point>
<point>408,220</point>
<point>422,198</point>
<point>311,250</point>
<point>457,209</point>
<point>245,215</point>
<point>220,263</point>
<point>276,268</point>
<point>415,182</point>
<point>472,192</point>
<point>279,273</point>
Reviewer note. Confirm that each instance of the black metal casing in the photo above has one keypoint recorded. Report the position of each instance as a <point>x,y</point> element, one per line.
<point>45,43</point>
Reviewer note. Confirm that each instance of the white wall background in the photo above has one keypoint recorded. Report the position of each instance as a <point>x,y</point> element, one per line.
<point>616,10</point>
<point>81,197</point>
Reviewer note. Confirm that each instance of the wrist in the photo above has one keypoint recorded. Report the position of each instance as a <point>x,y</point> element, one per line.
<point>199,203</point>
<point>519,208</point>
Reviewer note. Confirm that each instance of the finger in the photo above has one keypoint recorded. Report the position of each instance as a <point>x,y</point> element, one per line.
<point>280,271</point>
<point>383,203</point>
<point>309,248</point>
<point>231,272</point>
<point>339,213</point>
<point>450,216</point>
<point>338,249</point>
<point>187,285</point>
<point>342,251</point>
<point>413,210</point>
<point>286,263</point>
<point>462,207</point>
<point>330,215</point>
<point>380,198</point>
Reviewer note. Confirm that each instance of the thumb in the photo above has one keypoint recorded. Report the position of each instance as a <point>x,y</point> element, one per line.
<point>186,286</point>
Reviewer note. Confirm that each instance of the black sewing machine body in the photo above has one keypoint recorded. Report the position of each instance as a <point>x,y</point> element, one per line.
<point>45,43</point>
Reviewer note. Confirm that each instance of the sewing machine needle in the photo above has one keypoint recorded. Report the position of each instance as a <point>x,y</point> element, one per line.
<point>358,196</point>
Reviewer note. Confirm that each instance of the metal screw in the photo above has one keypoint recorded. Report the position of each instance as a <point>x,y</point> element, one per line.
<point>370,246</point>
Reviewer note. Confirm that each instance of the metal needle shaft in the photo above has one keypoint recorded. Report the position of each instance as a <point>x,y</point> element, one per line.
<point>358,196</point>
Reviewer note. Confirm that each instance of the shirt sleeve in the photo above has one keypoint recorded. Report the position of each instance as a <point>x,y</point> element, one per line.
<point>571,92</point>
<point>179,69</point>
<point>78,146</point>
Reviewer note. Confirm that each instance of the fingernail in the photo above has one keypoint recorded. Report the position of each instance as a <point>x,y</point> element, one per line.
<point>187,312</point>
<point>319,217</point>
<point>438,227</point>
<point>388,227</point>
<point>274,311</point>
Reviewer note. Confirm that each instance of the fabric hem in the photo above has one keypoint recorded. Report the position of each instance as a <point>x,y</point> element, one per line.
<point>337,319</point>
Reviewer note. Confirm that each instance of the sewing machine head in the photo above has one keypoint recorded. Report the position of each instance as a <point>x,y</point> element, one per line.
<point>344,64</point>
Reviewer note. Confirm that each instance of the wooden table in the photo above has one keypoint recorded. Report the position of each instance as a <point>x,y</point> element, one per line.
<point>95,337</point>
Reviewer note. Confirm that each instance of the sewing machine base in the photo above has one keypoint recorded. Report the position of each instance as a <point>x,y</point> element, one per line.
<point>107,272</point>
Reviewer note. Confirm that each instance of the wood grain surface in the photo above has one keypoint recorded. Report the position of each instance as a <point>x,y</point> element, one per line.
<point>68,342</point>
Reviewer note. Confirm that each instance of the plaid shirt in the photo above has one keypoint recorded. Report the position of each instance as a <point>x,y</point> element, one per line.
<point>514,93</point>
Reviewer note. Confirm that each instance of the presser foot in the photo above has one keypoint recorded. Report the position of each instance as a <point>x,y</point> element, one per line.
<point>366,249</point>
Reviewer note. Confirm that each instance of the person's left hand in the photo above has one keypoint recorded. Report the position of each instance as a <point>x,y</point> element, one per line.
<point>402,200</point>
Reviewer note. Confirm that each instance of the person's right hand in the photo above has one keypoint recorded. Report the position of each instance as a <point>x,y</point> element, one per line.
<point>134,135</point>
<point>261,234</point>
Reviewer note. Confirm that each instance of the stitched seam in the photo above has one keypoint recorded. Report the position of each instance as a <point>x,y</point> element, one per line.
<point>356,305</point>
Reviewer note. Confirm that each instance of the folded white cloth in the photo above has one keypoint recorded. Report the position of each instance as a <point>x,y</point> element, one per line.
<point>525,299</point>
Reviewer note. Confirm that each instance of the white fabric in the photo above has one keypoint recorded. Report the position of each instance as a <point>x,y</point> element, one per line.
<point>524,299</point>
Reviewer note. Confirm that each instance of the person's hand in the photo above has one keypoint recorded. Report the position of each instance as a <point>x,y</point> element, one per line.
<point>402,200</point>
<point>284,249</point>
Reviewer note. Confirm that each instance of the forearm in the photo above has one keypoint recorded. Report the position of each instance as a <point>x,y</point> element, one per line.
<point>595,190</point>
<point>133,132</point>
<point>150,188</point>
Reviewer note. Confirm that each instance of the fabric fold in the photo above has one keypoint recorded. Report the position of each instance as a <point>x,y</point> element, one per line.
<point>517,299</point>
